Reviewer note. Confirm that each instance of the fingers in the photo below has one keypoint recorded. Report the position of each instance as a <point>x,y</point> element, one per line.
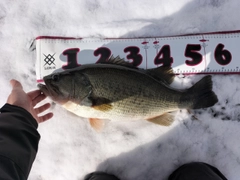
<point>44,117</point>
<point>38,99</point>
<point>41,109</point>
<point>16,84</point>
<point>29,100</point>
<point>34,94</point>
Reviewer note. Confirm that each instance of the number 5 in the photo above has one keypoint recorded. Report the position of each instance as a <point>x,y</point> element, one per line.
<point>191,52</point>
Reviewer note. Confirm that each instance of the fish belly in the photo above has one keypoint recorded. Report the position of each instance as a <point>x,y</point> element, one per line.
<point>120,111</point>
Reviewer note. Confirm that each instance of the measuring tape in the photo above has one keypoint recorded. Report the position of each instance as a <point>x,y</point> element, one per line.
<point>207,53</point>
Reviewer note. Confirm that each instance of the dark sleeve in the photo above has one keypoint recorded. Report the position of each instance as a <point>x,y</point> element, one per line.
<point>18,142</point>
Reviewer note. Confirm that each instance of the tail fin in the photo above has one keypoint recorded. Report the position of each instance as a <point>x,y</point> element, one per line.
<point>200,95</point>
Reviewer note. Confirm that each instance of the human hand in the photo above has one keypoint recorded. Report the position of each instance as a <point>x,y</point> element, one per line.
<point>28,101</point>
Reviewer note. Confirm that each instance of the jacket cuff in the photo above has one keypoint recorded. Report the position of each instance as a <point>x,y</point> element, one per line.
<point>12,108</point>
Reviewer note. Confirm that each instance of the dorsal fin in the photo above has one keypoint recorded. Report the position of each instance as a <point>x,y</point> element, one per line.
<point>118,61</point>
<point>163,74</point>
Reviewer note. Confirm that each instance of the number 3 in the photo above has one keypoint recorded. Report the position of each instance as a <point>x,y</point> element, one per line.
<point>134,55</point>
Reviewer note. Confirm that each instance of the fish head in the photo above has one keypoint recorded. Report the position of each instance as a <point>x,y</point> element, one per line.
<point>65,86</point>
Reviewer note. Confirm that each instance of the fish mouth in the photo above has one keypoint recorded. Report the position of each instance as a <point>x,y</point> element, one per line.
<point>44,89</point>
<point>47,91</point>
<point>53,92</point>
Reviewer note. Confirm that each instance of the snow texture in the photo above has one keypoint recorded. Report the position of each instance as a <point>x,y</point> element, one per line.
<point>69,147</point>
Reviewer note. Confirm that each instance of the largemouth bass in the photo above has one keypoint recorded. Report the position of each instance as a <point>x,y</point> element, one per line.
<point>116,90</point>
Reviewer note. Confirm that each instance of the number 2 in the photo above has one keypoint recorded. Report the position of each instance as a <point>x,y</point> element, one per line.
<point>104,52</point>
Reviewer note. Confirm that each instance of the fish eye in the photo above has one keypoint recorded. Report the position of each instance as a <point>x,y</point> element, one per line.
<point>55,77</point>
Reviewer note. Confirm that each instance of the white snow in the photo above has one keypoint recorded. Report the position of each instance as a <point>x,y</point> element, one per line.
<point>69,147</point>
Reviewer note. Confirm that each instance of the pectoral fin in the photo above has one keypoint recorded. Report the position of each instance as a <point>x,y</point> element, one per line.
<point>97,124</point>
<point>98,103</point>
<point>101,104</point>
<point>165,119</point>
<point>103,107</point>
<point>86,102</point>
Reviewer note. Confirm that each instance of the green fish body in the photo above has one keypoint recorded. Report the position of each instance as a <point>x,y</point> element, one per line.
<point>117,91</point>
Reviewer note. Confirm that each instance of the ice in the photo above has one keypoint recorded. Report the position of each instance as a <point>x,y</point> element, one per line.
<point>69,148</point>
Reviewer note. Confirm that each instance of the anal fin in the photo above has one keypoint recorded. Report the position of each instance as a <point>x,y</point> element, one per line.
<point>165,119</point>
<point>97,124</point>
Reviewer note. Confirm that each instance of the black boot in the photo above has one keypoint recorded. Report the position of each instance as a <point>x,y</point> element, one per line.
<point>197,171</point>
<point>100,176</point>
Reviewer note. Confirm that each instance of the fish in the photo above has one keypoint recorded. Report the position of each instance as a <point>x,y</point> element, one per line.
<point>116,90</point>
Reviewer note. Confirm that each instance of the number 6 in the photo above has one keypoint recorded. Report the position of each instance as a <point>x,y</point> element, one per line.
<point>223,57</point>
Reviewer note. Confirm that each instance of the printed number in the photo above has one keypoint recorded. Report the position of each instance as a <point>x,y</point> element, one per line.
<point>71,58</point>
<point>222,56</point>
<point>104,53</point>
<point>164,56</point>
<point>191,52</point>
<point>134,55</point>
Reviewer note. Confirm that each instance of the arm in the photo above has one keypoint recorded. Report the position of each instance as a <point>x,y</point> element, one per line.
<point>18,132</point>
<point>18,142</point>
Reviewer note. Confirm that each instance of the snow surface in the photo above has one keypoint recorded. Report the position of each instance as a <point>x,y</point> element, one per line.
<point>69,147</point>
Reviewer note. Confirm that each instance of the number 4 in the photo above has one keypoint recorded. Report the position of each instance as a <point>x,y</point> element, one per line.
<point>164,56</point>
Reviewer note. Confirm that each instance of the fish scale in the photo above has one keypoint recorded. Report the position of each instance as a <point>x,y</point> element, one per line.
<point>141,90</point>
